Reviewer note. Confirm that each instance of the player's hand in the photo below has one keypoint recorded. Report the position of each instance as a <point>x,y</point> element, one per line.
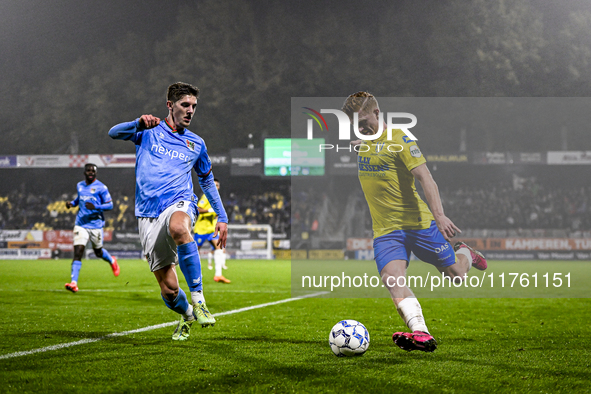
<point>69,204</point>
<point>89,205</point>
<point>356,143</point>
<point>222,228</point>
<point>447,228</point>
<point>148,122</point>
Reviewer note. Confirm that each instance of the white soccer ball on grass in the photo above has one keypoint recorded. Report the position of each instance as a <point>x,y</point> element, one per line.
<point>348,338</point>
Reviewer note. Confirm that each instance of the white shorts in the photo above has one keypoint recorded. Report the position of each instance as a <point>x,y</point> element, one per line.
<point>82,235</point>
<point>157,244</point>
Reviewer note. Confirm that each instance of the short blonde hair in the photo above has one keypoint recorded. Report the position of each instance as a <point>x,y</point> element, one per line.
<point>360,102</point>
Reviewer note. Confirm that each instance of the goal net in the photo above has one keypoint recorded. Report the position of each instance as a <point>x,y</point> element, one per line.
<point>250,241</point>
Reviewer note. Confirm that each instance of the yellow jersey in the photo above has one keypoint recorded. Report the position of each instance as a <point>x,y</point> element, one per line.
<point>205,221</point>
<point>384,173</point>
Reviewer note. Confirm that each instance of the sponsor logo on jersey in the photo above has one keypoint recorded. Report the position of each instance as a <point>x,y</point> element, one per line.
<point>173,154</point>
<point>364,165</point>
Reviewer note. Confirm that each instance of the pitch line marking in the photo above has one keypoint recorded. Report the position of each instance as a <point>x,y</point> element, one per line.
<point>149,328</point>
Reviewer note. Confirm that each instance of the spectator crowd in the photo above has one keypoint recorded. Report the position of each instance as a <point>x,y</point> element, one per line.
<point>42,212</point>
<point>527,205</point>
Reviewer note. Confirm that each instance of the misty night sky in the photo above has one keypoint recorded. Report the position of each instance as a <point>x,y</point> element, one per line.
<point>38,37</point>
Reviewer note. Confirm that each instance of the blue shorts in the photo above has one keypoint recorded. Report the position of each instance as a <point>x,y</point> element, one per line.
<point>428,245</point>
<point>202,238</point>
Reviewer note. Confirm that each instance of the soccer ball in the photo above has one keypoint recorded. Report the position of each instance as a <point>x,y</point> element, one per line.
<point>348,338</point>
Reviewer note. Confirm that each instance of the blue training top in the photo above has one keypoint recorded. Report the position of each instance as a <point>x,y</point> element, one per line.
<point>98,194</point>
<point>163,163</point>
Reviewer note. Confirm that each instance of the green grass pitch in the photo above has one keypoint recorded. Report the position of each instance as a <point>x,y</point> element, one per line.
<point>485,344</point>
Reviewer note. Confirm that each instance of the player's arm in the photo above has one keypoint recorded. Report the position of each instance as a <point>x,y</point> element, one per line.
<point>445,225</point>
<point>211,192</point>
<point>127,130</point>
<point>203,168</point>
<point>103,207</point>
<point>204,208</point>
<point>74,203</point>
<point>356,143</point>
<point>107,201</point>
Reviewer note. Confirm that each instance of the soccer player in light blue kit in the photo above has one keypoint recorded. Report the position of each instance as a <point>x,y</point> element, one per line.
<point>93,198</point>
<point>165,204</point>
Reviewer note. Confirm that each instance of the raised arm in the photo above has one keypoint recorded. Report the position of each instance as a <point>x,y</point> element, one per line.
<point>445,225</point>
<point>127,130</point>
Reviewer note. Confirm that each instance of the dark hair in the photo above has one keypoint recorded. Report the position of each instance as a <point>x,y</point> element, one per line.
<point>216,180</point>
<point>90,164</point>
<point>178,90</point>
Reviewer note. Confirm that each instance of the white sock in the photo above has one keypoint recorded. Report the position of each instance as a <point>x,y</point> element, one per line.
<point>188,315</point>
<point>209,255</point>
<point>225,256</point>
<point>197,297</point>
<point>466,252</point>
<point>410,311</point>
<point>218,260</point>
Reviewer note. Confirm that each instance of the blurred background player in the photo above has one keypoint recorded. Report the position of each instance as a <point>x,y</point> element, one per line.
<point>165,203</point>
<point>402,222</point>
<point>93,198</point>
<point>204,231</point>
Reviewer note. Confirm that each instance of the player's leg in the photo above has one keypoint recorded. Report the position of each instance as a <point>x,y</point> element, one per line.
<point>80,239</point>
<point>200,240</point>
<point>216,245</point>
<point>96,239</point>
<point>430,246</point>
<point>473,257</point>
<point>179,228</point>
<point>225,258</point>
<point>159,250</point>
<point>394,278</point>
<point>408,307</point>
<point>75,268</point>
<point>392,253</point>
<point>219,260</point>
<point>175,299</point>
<point>210,256</point>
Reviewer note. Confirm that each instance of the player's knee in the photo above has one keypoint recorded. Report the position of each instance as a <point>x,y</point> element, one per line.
<point>170,293</point>
<point>178,232</point>
<point>393,281</point>
<point>98,253</point>
<point>78,252</point>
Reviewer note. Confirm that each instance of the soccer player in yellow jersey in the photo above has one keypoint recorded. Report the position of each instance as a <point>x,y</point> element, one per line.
<point>204,230</point>
<point>402,221</point>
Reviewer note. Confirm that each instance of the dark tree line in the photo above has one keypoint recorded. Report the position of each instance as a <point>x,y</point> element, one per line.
<point>249,61</point>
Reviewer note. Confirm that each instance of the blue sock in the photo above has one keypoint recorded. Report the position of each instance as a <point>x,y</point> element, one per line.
<point>106,256</point>
<point>190,264</point>
<point>180,303</point>
<point>76,265</point>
